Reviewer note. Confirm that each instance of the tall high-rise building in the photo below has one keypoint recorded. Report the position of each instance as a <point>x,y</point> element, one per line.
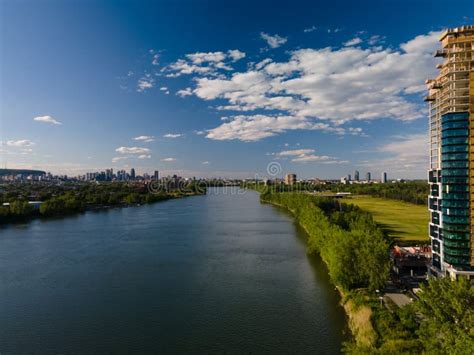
<point>290,179</point>
<point>156,175</point>
<point>109,174</point>
<point>367,177</point>
<point>132,174</point>
<point>451,170</point>
<point>356,175</point>
<point>383,178</point>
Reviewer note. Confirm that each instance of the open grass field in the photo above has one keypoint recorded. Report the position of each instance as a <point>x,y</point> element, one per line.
<point>404,222</point>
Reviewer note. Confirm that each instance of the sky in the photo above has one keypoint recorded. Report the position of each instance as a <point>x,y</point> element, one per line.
<point>220,88</point>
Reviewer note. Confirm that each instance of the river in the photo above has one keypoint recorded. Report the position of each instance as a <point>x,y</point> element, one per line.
<point>219,273</point>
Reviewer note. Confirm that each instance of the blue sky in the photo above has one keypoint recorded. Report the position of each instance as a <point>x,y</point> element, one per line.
<point>219,88</point>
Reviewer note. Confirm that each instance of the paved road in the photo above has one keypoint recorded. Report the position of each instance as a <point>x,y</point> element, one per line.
<point>399,299</point>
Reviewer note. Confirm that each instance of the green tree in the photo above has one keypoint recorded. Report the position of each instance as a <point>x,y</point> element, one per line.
<point>20,208</point>
<point>447,310</point>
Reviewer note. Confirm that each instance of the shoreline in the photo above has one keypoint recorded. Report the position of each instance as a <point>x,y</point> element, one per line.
<point>92,208</point>
<point>358,316</point>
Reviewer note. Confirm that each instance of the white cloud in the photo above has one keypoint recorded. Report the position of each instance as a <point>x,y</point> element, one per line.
<point>155,59</point>
<point>310,29</point>
<point>144,156</point>
<point>307,155</point>
<point>47,119</point>
<point>145,139</point>
<point>117,159</point>
<point>172,135</point>
<point>311,157</point>
<point>323,89</point>
<point>422,44</point>
<point>205,162</point>
<point>163,88</point>
<point>274,41</point>
<point>235,54</point>
<point>184,92</point>
<point>375,39</point>
<point>405,156</point>
<point>132,150</point>
<point>353,42</point>
<point>168,159</point>
<point>145,83</point>
<point>204,63</point>
<point>21,143</point>
<point>296,152</point>
<point>262,63</point>
<point>256,127</point>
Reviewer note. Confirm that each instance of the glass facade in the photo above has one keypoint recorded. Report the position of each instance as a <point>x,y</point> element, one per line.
<point>455,189</point>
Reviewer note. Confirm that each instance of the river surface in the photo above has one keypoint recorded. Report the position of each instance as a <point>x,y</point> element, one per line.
<point>219,273</point>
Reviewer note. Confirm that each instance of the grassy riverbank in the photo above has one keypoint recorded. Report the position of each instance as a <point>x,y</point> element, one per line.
<point>403,222</point>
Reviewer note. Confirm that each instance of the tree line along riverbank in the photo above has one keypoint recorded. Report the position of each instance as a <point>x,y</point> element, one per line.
<point>356,252</point>
<point>54,200</point>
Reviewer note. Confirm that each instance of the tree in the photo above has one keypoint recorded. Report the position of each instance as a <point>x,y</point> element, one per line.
<point>447,309</point>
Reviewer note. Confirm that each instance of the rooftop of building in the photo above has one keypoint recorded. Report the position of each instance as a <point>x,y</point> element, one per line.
<point>456,30</point>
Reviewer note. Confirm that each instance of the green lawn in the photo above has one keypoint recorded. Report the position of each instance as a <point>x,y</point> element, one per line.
<point>404,222</point>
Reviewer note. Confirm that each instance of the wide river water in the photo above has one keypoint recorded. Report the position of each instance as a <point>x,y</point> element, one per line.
<point>219,273</point>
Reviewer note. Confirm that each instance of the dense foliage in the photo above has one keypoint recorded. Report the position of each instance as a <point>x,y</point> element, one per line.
<point>77,197</point>
<point>447,316</point>
<point>412,191</point>
<point>346,237</point>
<point>439,321</point>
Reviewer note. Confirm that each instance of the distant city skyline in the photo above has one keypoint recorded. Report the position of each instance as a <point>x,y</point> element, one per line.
<point>216,92</point>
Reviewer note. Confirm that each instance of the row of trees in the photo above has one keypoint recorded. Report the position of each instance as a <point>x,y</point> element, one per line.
<point>413,191</point>
<point>347,238</point>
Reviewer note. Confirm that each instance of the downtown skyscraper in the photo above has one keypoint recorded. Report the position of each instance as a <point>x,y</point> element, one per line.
<point>451,171</point>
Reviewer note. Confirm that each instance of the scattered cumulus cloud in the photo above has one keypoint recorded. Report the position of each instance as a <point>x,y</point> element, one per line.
<point>322,89</point>
<point>310,29</point>
<point>235,54</point>
<point>205,163</point>
<point>132,150</point>
<point>117,159</point>
<point>375,39</point>
<point>144,83</point>
<point>145,139</point>
<point>255,127</point>
<point>295,152</point>
<point>20,143</point>
<point>168,159</point>
<point>184,92</point>
<point>172,135</point>
<point>144,156</point>
<point>204,63</point>
<point>47,119</point>
<point>353,42</point>
<point>307,155</point>
<point>273,41</point>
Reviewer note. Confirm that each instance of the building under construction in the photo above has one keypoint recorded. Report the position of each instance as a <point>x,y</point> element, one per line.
<point>451,172</point>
